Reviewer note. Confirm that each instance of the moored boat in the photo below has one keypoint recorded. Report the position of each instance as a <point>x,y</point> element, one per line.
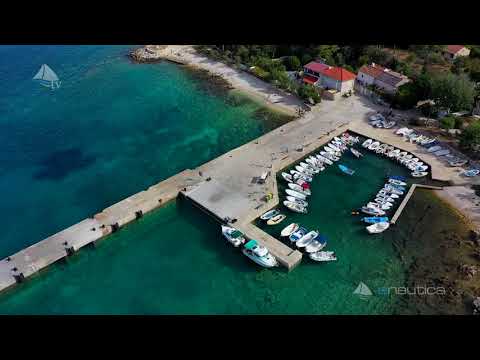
<point>295,206</point>
<point>323,256</point>
<point>270,214</point>
<point>296,194</point>
<point>289,230</point>
<point>276,219</point>
<point>300,189</point>
<point>259,254</point>
<point>306,239</point>
<point>356,152</point>
<point>419,174</point>
<point>346,170</point>
<point>378,227</point>
<point>234,236</point>
<point>297,201</point>
<point>375,219</point>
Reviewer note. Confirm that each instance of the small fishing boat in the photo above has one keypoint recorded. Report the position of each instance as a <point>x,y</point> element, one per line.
<point>324,159</point>
<point>323,256</point>
<point>393,189</point>
<point>419,168</point>
<point>333,147</point>
<point>287,177</point>
<point>356,152</point>
<point>393,154</point>
<point>276,219</point>
<point>383,192</point>
<point>316,245</point>
<point>346,170</point>
<point>456,163</point>
<point>401,155</point>
<point>234,236</point>
<point>397,182</point>
<point>270,214</point>
<point>300,189</point>
<point>398,177</point>
<point>289,230</point>
<point>306,239</point>
<point>375,145</point>
<point>295,207</point>
<point>378,227</point>
<point>299,175</point>
<point>298,234</point>
<point>296,194</point>
<point>375,219</point>
<point>298,201</point>
<point>383,206</point>
<point>309,167</point>
<point>434,148</point>
<point>259,254</point>
<point>384,201</point>
<point>374,211</point>
<point>442,152</point>
<point>389,125</point>
<point>419,174</point>
<point>303,170</point>
<point>402,131</point>
<point>471,172</point>
<point>367,143</point>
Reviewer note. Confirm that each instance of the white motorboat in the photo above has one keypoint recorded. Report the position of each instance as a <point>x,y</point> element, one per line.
<point>434,148</point>
<point>471,172</point>
<point>367,143</point>
<point>303,170</point>
<point>333,147</point>
<point>402,131</point>
<point>298,175</point>
<point>397,182</point>
<point>389,194</point>
<point>393,154</point>
<point>276,219</point>
<point>384,200</point>
<point>259,254</point>
<point>419,168</point>
<point>296,194</point>
<point>324,159</point>
<point>379,205</point>
<point>323,256</point>
<point>295,207</point>
<point>307,239</point>
<point>419,174</point>
<point>287,177</point>
<point>356,152</point>
<point>309,167</point>
<point>378,227</point>
<point>234,236</point>
<point>401,155</point>
<point>375,211</point>
<point>393,189</point>
<point>298,201</point>
<point>315,246</point>
<point>289,230</point>
<point>270,214</point>
<point>300,189</point>
<point>313,163</point>
<point>375,145</point>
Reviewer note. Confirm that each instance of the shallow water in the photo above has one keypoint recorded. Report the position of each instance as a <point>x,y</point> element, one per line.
<point>115,128</point>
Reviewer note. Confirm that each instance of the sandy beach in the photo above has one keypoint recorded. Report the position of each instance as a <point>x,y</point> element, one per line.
<point>257,89</point>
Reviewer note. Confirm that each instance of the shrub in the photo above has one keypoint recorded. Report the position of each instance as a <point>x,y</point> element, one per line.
<point>470,138</point>
<point>307,92</point>
<point>293,63</point>
<point>448,122</point>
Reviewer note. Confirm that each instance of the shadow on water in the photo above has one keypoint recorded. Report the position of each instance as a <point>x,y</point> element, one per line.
<point>61,163</point>
<point>227,254</point>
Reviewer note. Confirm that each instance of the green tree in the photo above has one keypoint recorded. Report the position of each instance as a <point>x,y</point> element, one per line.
<point>454,92</point>
<point>407,96</point>
<point>308,92</point>
<point>448,122</point>
<point>470,138</point>
<point>327,53</point>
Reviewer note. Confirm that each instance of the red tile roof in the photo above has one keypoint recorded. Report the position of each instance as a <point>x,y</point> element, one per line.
<point>453,49</point>
<point>310,79</point>
<point>316,66</point>
<point>338,73</point>
<point>372,70</point>
<point>333,72</point>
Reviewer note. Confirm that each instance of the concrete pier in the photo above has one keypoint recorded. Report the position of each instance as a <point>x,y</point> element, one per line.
<point>224,186</point>
<point>407,198</point>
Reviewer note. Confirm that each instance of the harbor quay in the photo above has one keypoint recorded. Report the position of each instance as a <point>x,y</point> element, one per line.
<point>225,187</point>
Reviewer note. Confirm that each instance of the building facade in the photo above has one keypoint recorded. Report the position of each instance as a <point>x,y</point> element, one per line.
<point>454,51</point>
<point>383,78</point>
<point>328,77</point>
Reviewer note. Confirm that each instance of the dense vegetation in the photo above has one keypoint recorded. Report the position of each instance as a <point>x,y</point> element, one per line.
<point>451,86</point>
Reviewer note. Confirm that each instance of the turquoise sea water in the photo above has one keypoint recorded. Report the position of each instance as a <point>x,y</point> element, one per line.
<point>113,129</point>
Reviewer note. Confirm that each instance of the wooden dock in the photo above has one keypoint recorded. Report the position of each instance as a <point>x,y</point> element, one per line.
<point>407,197</point>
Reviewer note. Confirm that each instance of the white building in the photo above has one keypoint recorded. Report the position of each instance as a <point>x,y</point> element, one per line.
<point>328,77</point>
<point>381,77</point>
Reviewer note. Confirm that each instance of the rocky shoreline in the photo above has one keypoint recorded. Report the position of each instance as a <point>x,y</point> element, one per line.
<point>440,252</point>
<point>147,54</point>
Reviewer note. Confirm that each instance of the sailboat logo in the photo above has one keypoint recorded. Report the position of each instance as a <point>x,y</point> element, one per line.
<point>362,291</point>
<point>47,77</point>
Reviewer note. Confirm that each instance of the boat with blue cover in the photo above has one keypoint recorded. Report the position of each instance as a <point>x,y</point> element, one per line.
<point>375,219</point>
<point>346,170</point>
<point>298,234</point>
<point>398,177</point>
